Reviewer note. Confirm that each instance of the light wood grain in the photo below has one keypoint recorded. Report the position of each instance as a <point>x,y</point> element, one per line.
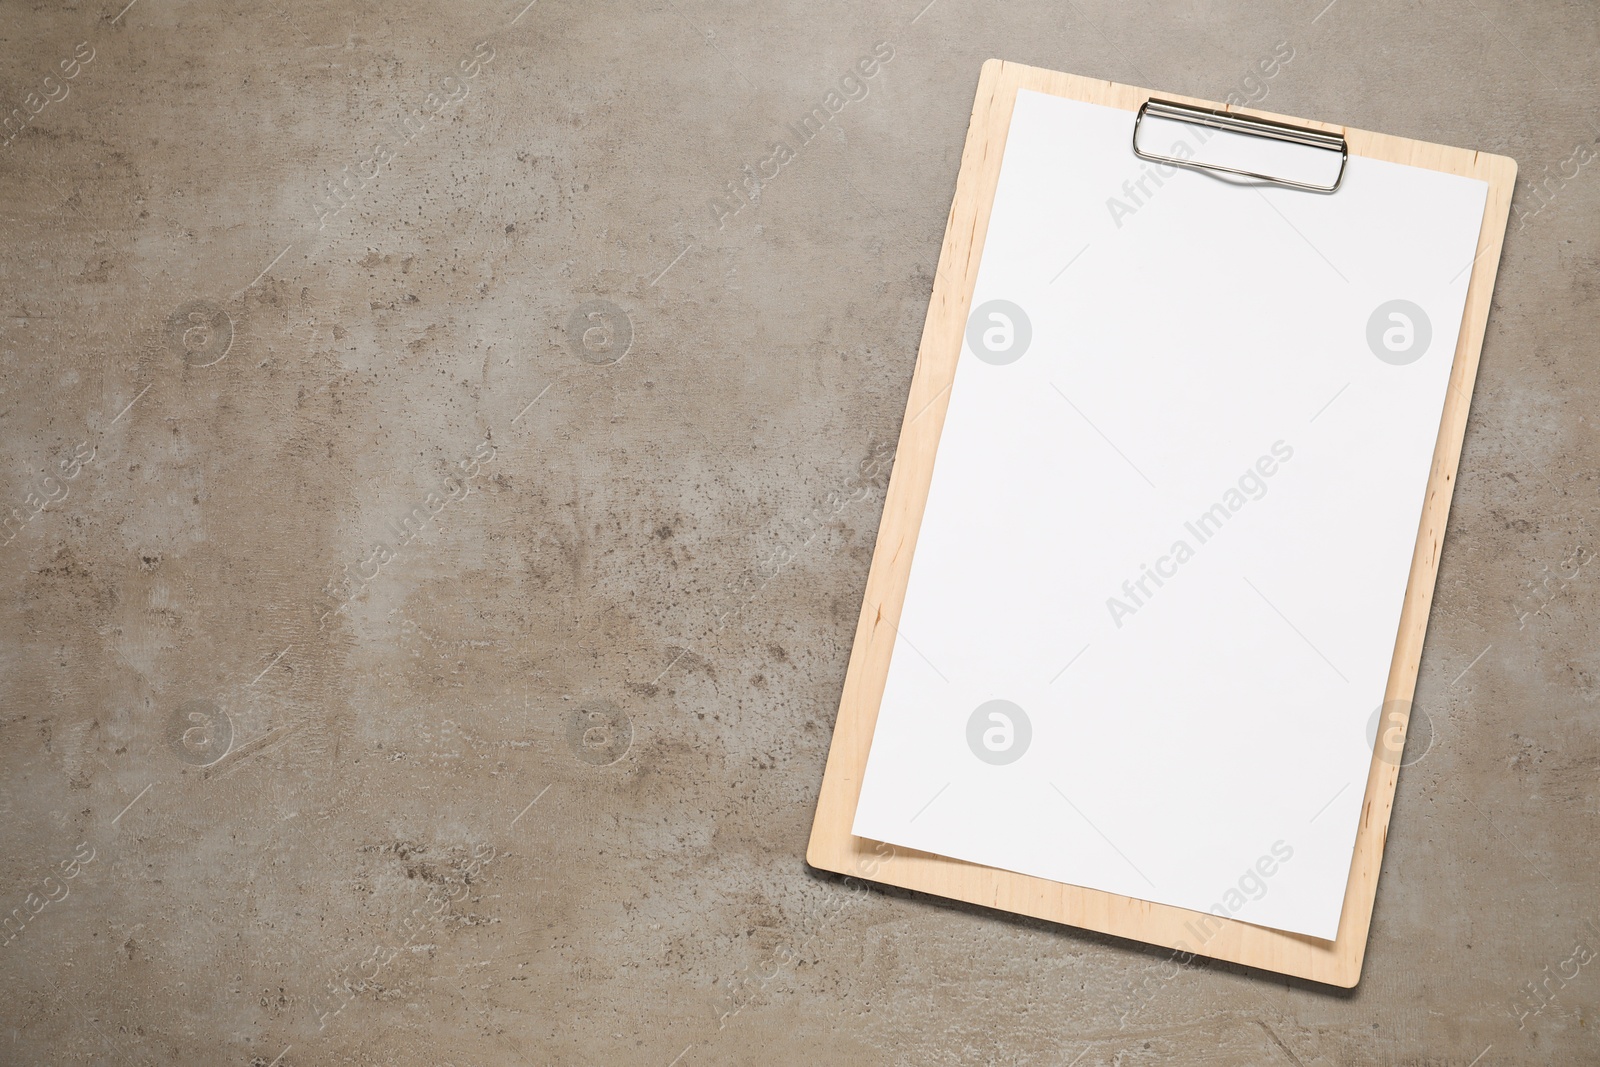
<point>832,846</point>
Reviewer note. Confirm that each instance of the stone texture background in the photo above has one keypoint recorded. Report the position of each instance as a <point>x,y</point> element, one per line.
<point>337,863</point>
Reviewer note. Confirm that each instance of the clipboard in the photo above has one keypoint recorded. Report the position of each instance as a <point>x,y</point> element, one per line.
<point>833,847</point>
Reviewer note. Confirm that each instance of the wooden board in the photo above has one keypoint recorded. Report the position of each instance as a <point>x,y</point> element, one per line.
<point>832,846</point>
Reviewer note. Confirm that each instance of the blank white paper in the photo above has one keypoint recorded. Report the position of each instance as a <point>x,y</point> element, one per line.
<point>1254,373</point>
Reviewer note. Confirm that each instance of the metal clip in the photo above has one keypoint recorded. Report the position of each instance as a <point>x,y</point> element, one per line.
<point>1222,120</point>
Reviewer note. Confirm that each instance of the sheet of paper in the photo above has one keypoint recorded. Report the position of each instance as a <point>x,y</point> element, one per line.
<point>1159,578</point>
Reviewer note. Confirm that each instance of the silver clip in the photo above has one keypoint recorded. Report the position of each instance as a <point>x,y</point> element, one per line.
<point>1222,120</point>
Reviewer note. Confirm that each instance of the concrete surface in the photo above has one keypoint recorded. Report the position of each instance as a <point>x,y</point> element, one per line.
<point>305,605</point>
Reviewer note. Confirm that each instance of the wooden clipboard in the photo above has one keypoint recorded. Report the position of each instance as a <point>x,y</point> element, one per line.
<point>834,848</point>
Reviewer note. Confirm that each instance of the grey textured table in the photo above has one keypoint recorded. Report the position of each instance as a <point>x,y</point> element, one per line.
<point>427,587</point>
